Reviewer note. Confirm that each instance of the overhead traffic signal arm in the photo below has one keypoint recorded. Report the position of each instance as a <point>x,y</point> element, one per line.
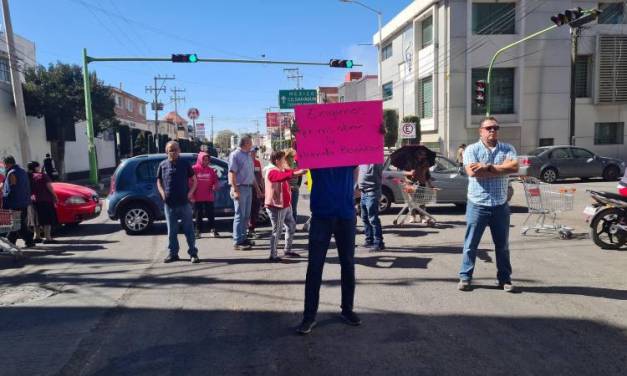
<point>339,63</point>
<point>575,17</point>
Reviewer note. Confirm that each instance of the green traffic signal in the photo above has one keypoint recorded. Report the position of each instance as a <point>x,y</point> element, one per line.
<point>349,63</point>
<point>184,58</point>
<point>193,58</point>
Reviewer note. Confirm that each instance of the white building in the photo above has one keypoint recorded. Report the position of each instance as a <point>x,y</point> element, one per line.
<point>358,87</point>
<point>434,52</point>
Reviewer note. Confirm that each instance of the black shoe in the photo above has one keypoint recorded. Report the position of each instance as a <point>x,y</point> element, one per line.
<point>351,318</point>
<point>291,254</point>
<point>171,258</point>
<point>306,326</point>
<point>194,260</point>
<point>377,248</point>
<point>242,247</point>
<point>248,242</point>
<point>275,259</point>
<point>367,245</point>
<point>29,245</point>
<point>49,241</point>
<point>37,241</point>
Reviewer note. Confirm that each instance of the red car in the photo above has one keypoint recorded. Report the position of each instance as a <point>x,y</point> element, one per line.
<point>76,203</point>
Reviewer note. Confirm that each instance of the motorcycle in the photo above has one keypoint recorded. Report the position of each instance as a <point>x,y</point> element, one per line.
<point>608,219</point>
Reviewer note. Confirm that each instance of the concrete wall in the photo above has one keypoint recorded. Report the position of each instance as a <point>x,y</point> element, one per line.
<point>76,156</point>
<point>363,89</point>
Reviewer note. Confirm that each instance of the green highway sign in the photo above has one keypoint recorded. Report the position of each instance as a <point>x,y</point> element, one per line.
<point>291,98</point>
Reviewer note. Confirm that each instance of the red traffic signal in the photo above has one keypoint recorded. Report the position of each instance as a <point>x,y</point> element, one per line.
<point>480,87</point>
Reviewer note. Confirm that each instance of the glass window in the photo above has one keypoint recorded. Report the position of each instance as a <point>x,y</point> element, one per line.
<point>560,153</point>
<point>582,66</point>
<point>547,142</point>
<point>388,91</point>
<point>609,133</point>
<point>538,151</point>
<point>427,32</point>
<point>147,170</point>
<point>581,153</point>
<point>426,98</point>
<point>443,165</point>
<point>387,52</point>
<point>4,70</point>
<point>611,13</point>
<point>502,91</point>
<point>494,18</point>
<point>129,105</point>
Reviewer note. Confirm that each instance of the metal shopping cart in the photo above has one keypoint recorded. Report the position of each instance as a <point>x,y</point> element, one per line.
<point>9,221</point>
<point>545,201</point>
<point>416,197</point>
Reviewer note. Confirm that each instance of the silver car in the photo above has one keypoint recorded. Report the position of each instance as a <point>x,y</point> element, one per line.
<point>551,163</point>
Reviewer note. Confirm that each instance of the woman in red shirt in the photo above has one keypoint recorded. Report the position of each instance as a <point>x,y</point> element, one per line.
<point>44,199</point>
<point>278,202</point>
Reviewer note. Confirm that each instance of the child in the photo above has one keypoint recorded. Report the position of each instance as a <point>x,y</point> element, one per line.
<point>203,196</point>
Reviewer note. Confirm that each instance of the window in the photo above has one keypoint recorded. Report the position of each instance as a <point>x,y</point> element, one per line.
<point>502,91</point>
<point>611,13</point>
<point>118,101</point>
<point>426,98</point>
<point>581,153</point>
<point>612,61</point>
<point>142,109</point>
<point>387,52</point>
<point>609,133</point>
<point>547,142</point>
<point>560,153</point>
<point>147,170</point>
<point>388,91</point>
<point>444,166</point>
<point>582,76</point>
<point>129,105</point>
<point>427,32</point>
<point>494,18</point>
<point>4,70</point>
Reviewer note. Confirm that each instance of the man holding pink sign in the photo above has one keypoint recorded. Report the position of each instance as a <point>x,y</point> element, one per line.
<point>333,139</point>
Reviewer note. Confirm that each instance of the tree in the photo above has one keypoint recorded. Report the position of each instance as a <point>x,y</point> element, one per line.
<point>56,93</point>
<point>223,139</point>
<point>390,120</point>
<point>416,121</point>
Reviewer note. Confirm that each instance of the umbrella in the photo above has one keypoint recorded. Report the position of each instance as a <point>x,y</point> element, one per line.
<point>406,158</point>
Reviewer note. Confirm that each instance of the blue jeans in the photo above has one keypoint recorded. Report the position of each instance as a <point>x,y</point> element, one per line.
<point>295,194</point>
<point>320,233</point>
<point>478,217</point>
<point>370,216</point>
<point>242,213</point>
<point>172,216</point>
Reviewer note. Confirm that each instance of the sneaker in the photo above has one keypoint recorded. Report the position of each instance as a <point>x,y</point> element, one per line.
<point>368,245</point>
<point>464,285</point>
<point>194,260</point>
<point>351,318</point>
<point>507,286</point>
<point>242,247</point>
<point>306,326</point>
<point>171,258</point>
<point>249,242</point>
<point>377,248</point>
<point>291,254</point>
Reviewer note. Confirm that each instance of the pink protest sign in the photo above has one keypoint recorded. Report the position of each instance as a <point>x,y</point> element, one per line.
<point>339,134</point>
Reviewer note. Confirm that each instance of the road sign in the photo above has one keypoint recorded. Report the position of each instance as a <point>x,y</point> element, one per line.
<point>200,129</point>
<point>159,106</point>
<point>408,130</point>
<point>291,98</point>
<point>193,113</point>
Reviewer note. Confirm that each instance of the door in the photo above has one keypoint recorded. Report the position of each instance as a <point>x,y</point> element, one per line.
<point>146,174</point>
<point>561,159</point>
<point>586,163</point>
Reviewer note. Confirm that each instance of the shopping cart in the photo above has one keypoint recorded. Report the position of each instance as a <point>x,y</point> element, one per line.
<point>415,198</point>
<point>545,201</point>
<point>9,221</point>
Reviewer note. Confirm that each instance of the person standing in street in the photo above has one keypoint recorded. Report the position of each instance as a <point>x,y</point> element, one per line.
<point>257,199</point>
<point>488,163</point>
<point>333,214</point>
<point>295,182</point>
<point>369,182</point>
<point>278,203</point>
<point>207,184</point>
<point>173,182</point>
<point>44,200</point>
<point>16,196</point>
<point>242,181</point>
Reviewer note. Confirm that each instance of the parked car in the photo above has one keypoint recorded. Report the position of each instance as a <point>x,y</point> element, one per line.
<point>551,163</point>
<point>446,174</point>
<point>76,203</point>
<point>135,201</point>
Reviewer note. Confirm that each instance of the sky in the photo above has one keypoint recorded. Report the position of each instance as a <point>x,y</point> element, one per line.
<point>237,95</point>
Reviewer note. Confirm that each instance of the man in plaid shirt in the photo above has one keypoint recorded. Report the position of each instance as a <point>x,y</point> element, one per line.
<point>488,164</point>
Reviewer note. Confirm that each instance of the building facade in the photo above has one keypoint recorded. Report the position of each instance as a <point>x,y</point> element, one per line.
<point>327,94</point>
<point>357,87</point>
<point>433,52</point>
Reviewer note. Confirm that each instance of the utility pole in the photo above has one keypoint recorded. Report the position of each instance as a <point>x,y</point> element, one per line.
<point>212,129</point>
<point>574,36</point>
<point>156,105</point>
<point>16,83</point>
<point>294,74</point>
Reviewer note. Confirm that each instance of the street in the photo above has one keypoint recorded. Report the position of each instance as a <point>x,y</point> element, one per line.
<point>102,303</point>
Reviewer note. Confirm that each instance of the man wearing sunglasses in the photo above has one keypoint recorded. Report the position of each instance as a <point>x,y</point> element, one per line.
<point>488,163</point>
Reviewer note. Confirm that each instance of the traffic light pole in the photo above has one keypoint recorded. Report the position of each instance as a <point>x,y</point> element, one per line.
<point>93,163</point>
<point>489,78</point>
<point>574,36</point>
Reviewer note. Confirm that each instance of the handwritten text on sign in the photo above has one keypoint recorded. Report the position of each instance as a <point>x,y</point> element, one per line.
<point>339,134</point>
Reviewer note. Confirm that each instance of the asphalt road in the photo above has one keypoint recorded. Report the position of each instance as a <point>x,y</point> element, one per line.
<point>103,303</point>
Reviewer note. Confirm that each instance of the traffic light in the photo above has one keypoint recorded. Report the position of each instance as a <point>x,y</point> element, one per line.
<point>575,17</point>
<point>184,58</point>
<point>338,63</point>
<point>480,92</point>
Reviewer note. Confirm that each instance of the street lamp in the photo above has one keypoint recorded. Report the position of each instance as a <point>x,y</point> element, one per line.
<point>379,15</point>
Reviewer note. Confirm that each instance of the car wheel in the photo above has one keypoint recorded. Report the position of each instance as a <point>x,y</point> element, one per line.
<point>611,173</point>
<point>136,219</point>
<point>549,175</point>
<point>385,202</point>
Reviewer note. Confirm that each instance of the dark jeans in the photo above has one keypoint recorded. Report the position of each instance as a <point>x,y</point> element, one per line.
<point>478,217</point>
<point>255,206</point>
<point>320,233</point>
<point>204,209</point>
<point>172,216</point>
<point>295,194</point>
<point>370,216</point>
<point>24,232</point>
